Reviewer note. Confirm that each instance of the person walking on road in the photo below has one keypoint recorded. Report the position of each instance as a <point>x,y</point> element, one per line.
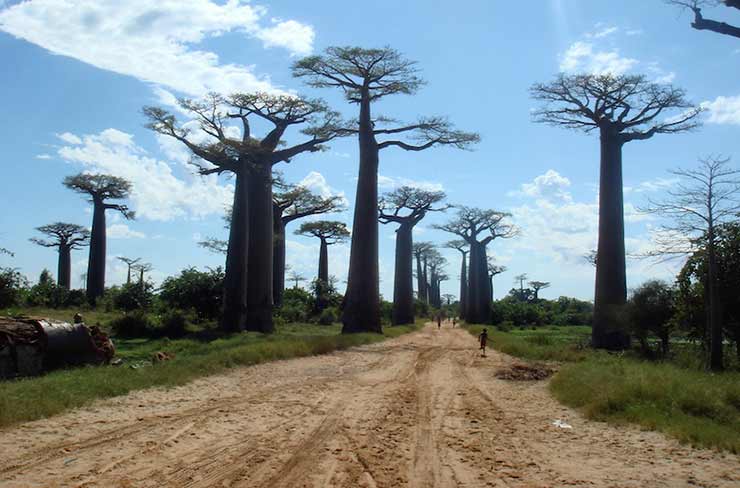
<point>439,320</point>
<point>483,338</point>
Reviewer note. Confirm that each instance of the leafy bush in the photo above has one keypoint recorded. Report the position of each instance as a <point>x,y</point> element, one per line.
<point>133,296</point>
<point>173,324</point>
<point>199,290</point>
<point>650,310</point>
<point>12,286</point>
<point>136,324</point>
<point>328,316</point>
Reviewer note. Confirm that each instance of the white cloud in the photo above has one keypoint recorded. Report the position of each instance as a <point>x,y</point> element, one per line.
<point>602,31</point>
<point>158,194</point>
<point>316,182</point>
<point>583,57</point>
<point>656,184</point>
<point>155,41</point>
<point>634,32</point>
<point>723,110</point>
<point>123,231</point>
<point>69,138</point>
<point>391,183</point>
<point>551,186</point>
<point>43,156</point>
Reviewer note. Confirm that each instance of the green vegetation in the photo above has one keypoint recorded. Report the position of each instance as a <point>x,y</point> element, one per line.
<point>34,398</point>
<point>677,397</point>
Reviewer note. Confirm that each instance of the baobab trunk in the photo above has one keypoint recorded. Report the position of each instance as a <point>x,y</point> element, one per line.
<point>278,259</point>
<point>362,299</point>
<point>234,315</point>
<point>259,278</point>
<point>463,287</point>
<point>64,272</point>
<point>478,294</point>
<point>403,280</point>
<point>96,261</point>
<point>426,282</point>
<point>490,287</point>
<point>611,283</point>
<point>419,279</point>
<point>324,262</point>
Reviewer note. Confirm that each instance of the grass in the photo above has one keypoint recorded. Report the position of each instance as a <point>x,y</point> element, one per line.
<point>692,405</point>
<point>34,398</point>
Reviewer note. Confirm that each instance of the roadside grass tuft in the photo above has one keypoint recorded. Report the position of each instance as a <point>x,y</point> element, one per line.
<point>34,398</point>
<point>688,403</point>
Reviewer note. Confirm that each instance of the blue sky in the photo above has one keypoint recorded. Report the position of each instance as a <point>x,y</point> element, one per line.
<point>77,74</point>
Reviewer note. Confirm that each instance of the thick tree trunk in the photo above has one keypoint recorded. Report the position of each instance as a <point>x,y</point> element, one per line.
<point>64,270</point>
<point>234,315</point>
<point>403,280</point>
<point>479,309</point>
<point>96,261</point>
<point>463,287</point>
<point>324,262</point>
<point>425,279</point>
<point>128,275</point>
<point>715,316</point>
<point>611,284</point>
<point>362,299</point>
<point>259,278</point>
<point>419,279</point>
<point>433,288</point>
<point>278,259</point>
<point>490,285</point>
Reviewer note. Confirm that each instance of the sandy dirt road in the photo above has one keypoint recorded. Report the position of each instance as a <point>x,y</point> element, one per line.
<point>422,410</point>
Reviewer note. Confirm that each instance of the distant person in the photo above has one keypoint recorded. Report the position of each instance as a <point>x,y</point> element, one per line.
<point>454,322</point>
<point>439,320</point>
<point>483,338</point>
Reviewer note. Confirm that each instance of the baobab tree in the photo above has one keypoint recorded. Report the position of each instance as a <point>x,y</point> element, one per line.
<point>328,232</point>
<point>448,298</point>
<point>462,246</point>
<point>704,199</point>
<point>296,278</point>
<point>130,262</point>
<point>537,286</point>
<point>436,262</point>
<point>700,23</point>
<point>406,206</point>
<point>421,250</point>
<point>622,108</point>
<point>65,237</point>
<point>493,270</point>
<point>100,188</point>
<point>248,297</point>
<point>366,76</point>
<point>142,268</point>
<point>290,203</point>
<point>479,228</point>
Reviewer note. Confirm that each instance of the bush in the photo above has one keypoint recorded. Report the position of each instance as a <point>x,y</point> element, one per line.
<point>12,286</point>
<point>328,316</point>
<point>136,324</point>
<point>650,310</point>
<point>201,291</point>
<point>173,324</point>
<point>133,296</point>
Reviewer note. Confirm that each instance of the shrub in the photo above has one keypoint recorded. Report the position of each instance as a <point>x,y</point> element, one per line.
<point>133,296</point>
<point>173,324</point>
<point>198,290</point>
<point>12,285</point>
<point>136,324</point>
<point>328,316</point>
<point>650,310</point>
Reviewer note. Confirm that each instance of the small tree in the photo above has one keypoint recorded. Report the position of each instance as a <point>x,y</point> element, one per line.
<point>462,246</point>
<point>700,23</point>
<point>537,286</point>
<point>248,299</point>
<point>291,203</point>
<point>129,262</point>
<point>366,76</point>
<point>651,310</point>
<point>623,109</point>
<point>706,198</point>
<point>328,233</point>
<point>100,188</point>
<point>65,237</point>
<point>479,228</point>
<point>406,206</point>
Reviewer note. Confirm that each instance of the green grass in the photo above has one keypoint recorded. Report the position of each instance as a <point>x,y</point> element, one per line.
<point>692,405</point>
<point>91,316</point>
<point>34,398</point>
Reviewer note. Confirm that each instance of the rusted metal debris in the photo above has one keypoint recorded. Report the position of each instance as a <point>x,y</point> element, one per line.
<point>29,346</point>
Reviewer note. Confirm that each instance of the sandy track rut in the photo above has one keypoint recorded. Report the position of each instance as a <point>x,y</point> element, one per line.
<point>422,410</point>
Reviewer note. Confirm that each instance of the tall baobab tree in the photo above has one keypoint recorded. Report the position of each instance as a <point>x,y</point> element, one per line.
<point>329,233</point>
<point>65,237</point>
<point>479,228</point>
<point>130,262</point>
<point>436,262</point>
<point>406,206</point>
<point>366,76</point>
<point>623,109</point>
<point>493,270</point>
<point>100,188</point>
<point>537,286</point>
<point>248,297</point>
<point>462,246</point>
<point>701,23</point>
<point>290,203</point>
<point>421,250</point>
<point>705,199</point>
